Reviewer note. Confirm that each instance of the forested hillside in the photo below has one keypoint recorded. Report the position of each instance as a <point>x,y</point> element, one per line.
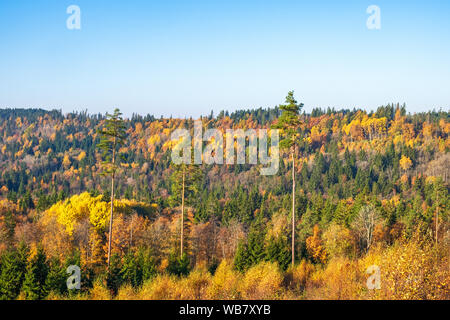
<point>389,165</point>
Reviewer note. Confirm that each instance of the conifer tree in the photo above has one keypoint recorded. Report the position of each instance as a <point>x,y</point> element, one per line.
<point>242,257</point>
<point>114,277</point>
<point>56,278</point>
<point>185,185</point>
<point>131,271</point>
<point>289,123</point>
<point>13,270</point>
<point>34,285</point>
<point>277,250</point>
<point>113,137</point>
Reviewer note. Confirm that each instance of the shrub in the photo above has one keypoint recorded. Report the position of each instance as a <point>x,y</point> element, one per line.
<point>224,283</point>
<point>262,281</point>
<point>162,287</point>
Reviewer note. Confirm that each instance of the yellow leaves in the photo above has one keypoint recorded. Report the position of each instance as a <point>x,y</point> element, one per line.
<point>414,270</point>
<point>430,179</point>
<point>81,156</point>
<point>73,210</point>
<point>66,161</point>
<point>263,281</point>
<point>301,274</point>
<point>338,241</point>
<point>398,139</point>
<point>224,283</point>
<point>167,131</point>
<point>154,140</point>
<point>19,154</point>
<point>427,130</point>
<point>170,144</point>
<point>98,214</point>
<point>315,131</point>
<point>405,163</point>
<point>342,279</point>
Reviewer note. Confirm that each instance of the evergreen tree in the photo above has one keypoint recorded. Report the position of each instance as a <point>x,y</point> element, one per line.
<point>148,263</point>
<point>289,123</point>
<point>178,265</point>
<point>131,271</point>
<point>56,278</point>
<point>185,185</point>
<point>277,250</point>
<point>113,137</point>
<point>242,257</point>
<point>13,270</point>
<point>114,276</point>
<point>34,286</point>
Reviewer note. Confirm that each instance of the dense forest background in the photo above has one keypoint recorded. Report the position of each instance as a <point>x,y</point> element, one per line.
<point>387,165</point>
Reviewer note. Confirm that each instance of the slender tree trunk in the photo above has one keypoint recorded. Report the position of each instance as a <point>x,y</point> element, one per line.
<point>437,218</point>
<point>293,208</point>
<point>182,215</point>
<point>112,203</point>
<point>111,221</point>
<point>131,234</point>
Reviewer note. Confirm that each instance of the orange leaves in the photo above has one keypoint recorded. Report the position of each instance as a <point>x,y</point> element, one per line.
<point>66,161</point>
<point>81,156</point>
<point>315,247</point>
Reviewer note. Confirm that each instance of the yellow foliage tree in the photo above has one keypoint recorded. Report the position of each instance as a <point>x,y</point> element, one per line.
<point>315,247</point>
<point>405,163</point>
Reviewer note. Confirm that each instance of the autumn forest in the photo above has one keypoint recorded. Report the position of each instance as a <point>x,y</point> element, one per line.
<point>100,191</point>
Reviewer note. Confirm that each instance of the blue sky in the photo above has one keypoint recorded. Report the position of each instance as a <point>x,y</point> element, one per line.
<point>186,58</point>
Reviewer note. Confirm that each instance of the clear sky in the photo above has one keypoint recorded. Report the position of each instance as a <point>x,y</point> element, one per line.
<point>186,58</point>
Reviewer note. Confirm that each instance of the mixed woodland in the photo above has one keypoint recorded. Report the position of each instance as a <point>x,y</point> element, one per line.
<point>371,188</point>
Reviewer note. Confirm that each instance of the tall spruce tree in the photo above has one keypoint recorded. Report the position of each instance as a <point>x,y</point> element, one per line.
<point>14,263</point>
<point>34,286</point>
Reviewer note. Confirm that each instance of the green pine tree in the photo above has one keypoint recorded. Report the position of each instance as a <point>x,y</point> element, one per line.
<point>113,137</point>
<point>131,271</point>
<point>56,278</point>
<point>289,123</point>
<point>34,286</point>
<point>242,258</point>
<point>114,276</point>
<point>13,270</point>
<point>185,185</point>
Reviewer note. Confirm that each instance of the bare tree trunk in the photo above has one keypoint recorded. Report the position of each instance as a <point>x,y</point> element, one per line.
<point>111,221</point>
<point>182,216</point>
<point>112,203</point>
<point>293,208</point>
<point>437,217</point>
<point>131,234</point>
